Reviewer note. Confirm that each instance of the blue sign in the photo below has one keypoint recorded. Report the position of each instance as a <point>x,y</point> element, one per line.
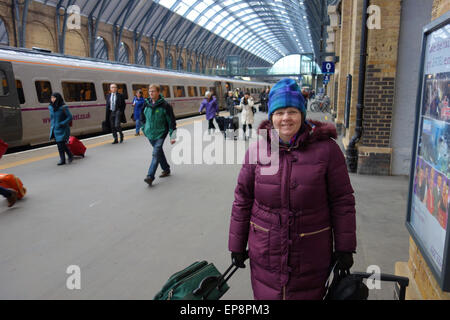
<point>326,79</point>
<point>327,67</point>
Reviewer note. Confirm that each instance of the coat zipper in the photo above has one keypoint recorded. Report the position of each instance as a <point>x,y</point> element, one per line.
<point>258,227</point>
<point>315,232</point>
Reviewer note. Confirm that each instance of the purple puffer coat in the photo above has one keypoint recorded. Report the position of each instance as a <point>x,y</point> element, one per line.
<point>211,108</point>
<point>290,218</point>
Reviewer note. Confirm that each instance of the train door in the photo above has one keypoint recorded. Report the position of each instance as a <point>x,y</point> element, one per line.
<point>10,114</point>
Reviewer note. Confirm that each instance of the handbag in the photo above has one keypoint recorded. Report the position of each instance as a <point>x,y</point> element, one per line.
<point>253,110</point>
<point>345,286</point>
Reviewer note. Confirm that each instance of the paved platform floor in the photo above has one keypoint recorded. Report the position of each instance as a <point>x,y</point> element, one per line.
<point>127,238</point>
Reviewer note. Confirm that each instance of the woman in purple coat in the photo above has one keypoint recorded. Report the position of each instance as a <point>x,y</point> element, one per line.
<point>212,109</point>
<point>300,218</point>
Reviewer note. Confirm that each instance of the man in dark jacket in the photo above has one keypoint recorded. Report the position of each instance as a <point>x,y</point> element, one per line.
<point>159,121</point>
<point>264,98</point>
<point>115,111</point>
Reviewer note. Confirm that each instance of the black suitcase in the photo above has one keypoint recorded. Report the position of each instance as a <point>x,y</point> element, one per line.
<point>231,125</point>
<point>221,123</point>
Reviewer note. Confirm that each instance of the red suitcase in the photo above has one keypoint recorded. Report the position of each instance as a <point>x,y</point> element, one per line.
<point>3,147</point>
<point>76,147</point>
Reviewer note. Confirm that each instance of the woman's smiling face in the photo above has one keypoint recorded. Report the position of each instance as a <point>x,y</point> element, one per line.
<point>287,121</point>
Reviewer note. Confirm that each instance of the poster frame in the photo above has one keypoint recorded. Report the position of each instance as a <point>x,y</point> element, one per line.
<point>442,276</point>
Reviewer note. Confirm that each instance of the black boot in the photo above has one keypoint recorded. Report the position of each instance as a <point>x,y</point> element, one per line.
<point>62,155</point>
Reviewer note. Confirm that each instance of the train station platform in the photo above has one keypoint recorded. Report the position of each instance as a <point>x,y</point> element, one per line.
<point>127,238</point>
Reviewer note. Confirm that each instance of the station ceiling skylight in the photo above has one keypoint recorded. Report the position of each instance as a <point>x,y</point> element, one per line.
<point>268,29</point>
<point>263,31</point>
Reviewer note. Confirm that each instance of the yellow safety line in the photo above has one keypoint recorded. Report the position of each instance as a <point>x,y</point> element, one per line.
<point>55,154</point>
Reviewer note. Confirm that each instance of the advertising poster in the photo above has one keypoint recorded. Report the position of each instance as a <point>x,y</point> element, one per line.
<point>430,201</point>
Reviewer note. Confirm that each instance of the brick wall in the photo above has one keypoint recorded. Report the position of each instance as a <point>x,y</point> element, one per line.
<point>378,106</point>
<point>374,152</point>
<point>421,274</point>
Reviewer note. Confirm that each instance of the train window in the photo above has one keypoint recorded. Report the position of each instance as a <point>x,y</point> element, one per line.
<point>143,87</point>
<point>4,89</point>
<point>192,91</point>
<point>203,91</point>
<point>79,91</point>
<point>165,91</point>
<point>121,88</point>
<point>212,90</point>
<point>20,92</point>
<point>178,91</point>
<point>43,90</point>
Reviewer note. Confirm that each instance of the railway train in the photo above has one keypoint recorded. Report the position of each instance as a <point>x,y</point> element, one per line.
<point>29,77</point>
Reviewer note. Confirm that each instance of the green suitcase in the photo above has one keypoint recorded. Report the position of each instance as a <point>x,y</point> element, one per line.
<point>200,281</point>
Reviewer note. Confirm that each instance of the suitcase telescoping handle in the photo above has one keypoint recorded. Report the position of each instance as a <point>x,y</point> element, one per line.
<point>204,289</point>
<point>403,282</point>
<point>225,276</point>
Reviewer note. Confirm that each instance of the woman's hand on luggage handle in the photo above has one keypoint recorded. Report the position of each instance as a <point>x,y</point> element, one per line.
<point>344,260</point>
<point>238,258</point>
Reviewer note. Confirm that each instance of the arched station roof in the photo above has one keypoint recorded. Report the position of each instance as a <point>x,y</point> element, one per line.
<point>261,32</point>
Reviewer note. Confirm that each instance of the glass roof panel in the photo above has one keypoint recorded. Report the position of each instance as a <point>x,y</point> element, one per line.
<point>267,24</point>
<point>192,15</point>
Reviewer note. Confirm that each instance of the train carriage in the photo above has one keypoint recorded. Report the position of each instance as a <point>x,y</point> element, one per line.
<point>29,78</point>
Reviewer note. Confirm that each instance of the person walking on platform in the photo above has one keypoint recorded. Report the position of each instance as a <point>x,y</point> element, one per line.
<point>138,104</point>
<point>115,112</point>
<point>246,106</point>
<point>293,215</point>
<point>10,195</point>
<point>233,113</point>
<point>60,119</point>
<point>264,98</point>
<point>212,110</point>
<point>158,120</point>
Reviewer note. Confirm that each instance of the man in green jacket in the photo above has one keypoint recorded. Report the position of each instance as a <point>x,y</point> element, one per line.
<point>159,120</point>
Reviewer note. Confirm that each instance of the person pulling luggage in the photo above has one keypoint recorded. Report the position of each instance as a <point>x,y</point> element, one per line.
<point>212,110</point>
<point>291,230</point>
<point>233,113</point>
<point>60,118</point>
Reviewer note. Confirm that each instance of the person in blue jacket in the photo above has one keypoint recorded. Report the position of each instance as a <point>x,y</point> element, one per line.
<point>138,104</point>
<point>60,118</point>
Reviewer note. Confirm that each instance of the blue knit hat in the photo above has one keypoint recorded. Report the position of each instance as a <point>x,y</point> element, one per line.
<point>286,93</point>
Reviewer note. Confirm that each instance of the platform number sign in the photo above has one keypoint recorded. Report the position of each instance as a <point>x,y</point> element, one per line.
<point>327,67</point>
<point>326,79</point>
